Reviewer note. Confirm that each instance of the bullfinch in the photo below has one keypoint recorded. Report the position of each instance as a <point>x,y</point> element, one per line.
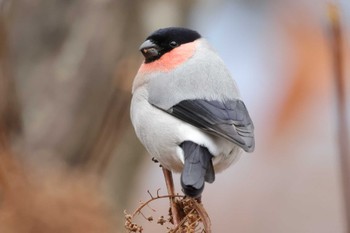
<point>186,108</point>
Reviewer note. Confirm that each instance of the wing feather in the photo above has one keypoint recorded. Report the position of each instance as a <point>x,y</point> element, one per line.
<point>229,119</point>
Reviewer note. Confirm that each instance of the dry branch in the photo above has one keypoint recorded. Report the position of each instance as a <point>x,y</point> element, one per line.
<point>340,86</point>
<point>192,215</point>
<point>171,191</point>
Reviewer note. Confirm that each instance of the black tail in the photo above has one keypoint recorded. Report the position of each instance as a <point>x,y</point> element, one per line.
<point>198,168</point>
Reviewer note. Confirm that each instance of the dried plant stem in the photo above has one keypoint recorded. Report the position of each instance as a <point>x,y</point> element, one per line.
<point>182,222</point>
<point>204,216</point>
<point>193,216</point>
<point>138,210</point>
<point>339,77</point>
<point>171,191</point>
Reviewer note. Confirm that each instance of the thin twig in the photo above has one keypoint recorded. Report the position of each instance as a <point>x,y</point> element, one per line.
<point>182,222</point>
<point>204,216</point>
<point>339,77</point>
<point>152,199</point>
<point>171,191</point>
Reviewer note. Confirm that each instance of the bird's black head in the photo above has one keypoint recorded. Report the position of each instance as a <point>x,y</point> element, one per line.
<point>164,40</point>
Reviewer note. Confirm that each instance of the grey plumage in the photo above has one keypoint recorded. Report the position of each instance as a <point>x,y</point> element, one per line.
<point>228,119</point>
<point>191,118</point>
<point>204,76</point>
<point>198,168</point>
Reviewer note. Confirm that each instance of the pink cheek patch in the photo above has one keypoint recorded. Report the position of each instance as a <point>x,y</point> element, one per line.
<point>170,60</point>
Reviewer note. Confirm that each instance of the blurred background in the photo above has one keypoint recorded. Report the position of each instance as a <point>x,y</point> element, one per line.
<point>69,158</point>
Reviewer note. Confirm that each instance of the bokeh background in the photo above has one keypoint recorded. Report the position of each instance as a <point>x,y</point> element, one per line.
<point>69,158</point>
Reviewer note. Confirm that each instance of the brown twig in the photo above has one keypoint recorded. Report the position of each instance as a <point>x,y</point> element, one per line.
<point>182,222</point>
<point>171,191</point>
<point>186,214</point>
<point>198,208</point>
<point>192,214</point>
<point>152,199</point>
<point>204,216</point>
<point>339,77</point>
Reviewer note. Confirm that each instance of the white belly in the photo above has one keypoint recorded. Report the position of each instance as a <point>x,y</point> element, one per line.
<point>162,134</point>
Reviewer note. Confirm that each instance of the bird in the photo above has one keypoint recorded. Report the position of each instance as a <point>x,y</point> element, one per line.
<point>186,108</point>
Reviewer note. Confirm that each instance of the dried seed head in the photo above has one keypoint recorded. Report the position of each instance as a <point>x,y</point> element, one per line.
<point>161,220</point>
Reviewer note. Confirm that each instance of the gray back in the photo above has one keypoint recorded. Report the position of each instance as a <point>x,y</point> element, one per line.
<point>204,76</point>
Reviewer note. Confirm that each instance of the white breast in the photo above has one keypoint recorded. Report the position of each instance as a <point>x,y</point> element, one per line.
<point>162,133</point>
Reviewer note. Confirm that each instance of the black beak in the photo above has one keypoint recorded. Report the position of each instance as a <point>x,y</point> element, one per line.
<point>150,50</point>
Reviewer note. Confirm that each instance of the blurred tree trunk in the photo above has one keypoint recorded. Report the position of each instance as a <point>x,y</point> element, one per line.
<point>73,64</point>
<point>65,53</point>
<point>10,123</point>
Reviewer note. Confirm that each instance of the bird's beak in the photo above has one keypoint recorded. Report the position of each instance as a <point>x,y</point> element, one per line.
<point>149,50</point>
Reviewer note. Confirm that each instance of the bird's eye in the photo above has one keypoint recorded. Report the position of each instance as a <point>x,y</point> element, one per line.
<point>173,44</point>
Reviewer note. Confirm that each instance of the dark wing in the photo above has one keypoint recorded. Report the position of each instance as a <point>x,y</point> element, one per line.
<point>229,119</point>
